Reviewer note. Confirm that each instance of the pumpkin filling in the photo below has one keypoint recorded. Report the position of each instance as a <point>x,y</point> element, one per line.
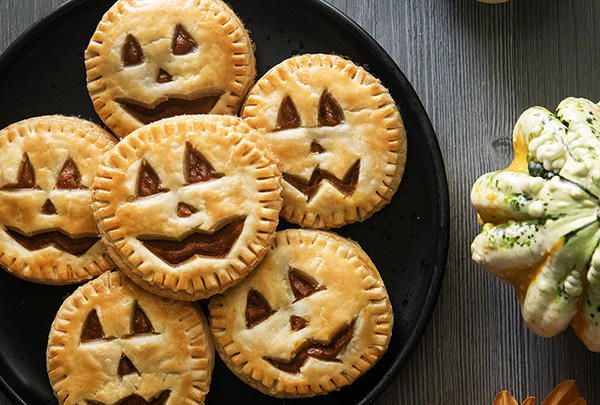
<point>302,284</point>
<point>92,328</point>
<point>71,245</point>
<point>346,185</point>
<point>217,244</point>
<point>297,323</point>
<point>126,367</point>
<point>170,108</point>
<point>327,351</point>
<point>257,309</point>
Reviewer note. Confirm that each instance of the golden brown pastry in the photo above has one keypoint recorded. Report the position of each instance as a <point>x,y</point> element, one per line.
<point>313,317</point>
<point>338,135</point>
<point>113,343</point>
<point>188,205</point>
<point>47,231</point>
<point>150,60</point>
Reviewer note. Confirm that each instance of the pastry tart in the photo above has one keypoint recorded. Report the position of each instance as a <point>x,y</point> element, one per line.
<point>338,135</point>
<point>150,60</point>
<point>313,317</point>
<point>188,205</point>
<point>47,231</point>
<point>113,343</point>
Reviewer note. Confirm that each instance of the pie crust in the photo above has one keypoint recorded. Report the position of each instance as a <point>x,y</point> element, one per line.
<point>47,231</point>
<point>156,59</point>
<point>338,135</point>
<point>113,343</point>
<point>208,219</point>
<point>315,294</point>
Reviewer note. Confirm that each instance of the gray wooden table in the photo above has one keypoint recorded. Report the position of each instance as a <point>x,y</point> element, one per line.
<point>476,67</point>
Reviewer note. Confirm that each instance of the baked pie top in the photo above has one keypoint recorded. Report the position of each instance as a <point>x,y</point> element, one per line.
<point>113,343</point>
<point>156,59</point>
<point>338,135</point>
<point>188,205</point>
<point>312,317</point>
<point>47,231</point>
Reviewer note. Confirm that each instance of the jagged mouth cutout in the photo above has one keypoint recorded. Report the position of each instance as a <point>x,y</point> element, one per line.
<point>331,114</point>
<point>182,43</point>
<point>302,285</point>
<point>69,178</point>
<point>216,243</point>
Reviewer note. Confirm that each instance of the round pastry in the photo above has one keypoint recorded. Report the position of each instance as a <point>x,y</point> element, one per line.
<point>313,317</point>
<point>47,231</point>
<point>113,343</point>
<point>338,135</point>
<point>188,205</point>
<point>150,60</point>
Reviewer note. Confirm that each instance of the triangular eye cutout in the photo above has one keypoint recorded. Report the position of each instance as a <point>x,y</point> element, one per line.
<point>302,284</point>
<point>126,367</point>
<point>257,309</point>
<point>197,168</point>
<point>69,177</point>
<point>148,181</point>
<point>132,53</point>
<point>288,116</point>
<point>26,175</point>
<point>183,43</point>
<point>330,112</point>
<point>92,328</point>
<point>140,324</point>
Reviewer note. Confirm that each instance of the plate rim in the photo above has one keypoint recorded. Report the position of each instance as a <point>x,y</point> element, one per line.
<point>439,169</point>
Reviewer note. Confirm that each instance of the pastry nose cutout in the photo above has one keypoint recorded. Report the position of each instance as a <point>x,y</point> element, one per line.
<point>315,147</point>
<point>163,76</point>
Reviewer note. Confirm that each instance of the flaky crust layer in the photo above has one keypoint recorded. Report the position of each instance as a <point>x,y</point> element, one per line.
<point>221,63</point>
<point>247,189</point>
<point>177,356</point>
<point>47,143</point>
<point>348,292</point>
<point>371,135</point>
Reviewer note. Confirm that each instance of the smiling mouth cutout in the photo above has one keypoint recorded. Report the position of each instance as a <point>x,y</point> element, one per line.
<point>172,107</point>
<point>216,244</point>
<point>346,185</point>
<point>327,351</point>
<point>74,246</point>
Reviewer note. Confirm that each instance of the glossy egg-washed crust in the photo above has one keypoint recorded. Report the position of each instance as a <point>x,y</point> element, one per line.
<point>372,132</point>
<point>224,60</point>
<point>350,290</point>
<point>249,186</point>
<point>48,142</point>
<point>178,356</point>
<point>541,231</point>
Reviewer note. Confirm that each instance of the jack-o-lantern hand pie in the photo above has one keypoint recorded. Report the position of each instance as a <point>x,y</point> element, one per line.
<point>113,343</point>
<point>338,135</point>
<point>312,318</point>
<point>188,205</point>
<point>150,60</point>
<point>47,231</point>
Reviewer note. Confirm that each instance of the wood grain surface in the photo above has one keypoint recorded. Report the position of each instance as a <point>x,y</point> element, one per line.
<point>476,67</point>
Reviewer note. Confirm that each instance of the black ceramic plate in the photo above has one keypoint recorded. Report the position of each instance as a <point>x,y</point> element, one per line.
<point>43,73</point>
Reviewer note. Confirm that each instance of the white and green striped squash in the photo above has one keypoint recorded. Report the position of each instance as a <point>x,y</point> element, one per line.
<point>540,217</point>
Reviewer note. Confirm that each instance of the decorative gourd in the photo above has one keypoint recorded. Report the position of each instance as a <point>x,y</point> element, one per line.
<point>564,394</point>
<point>540,216</point>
